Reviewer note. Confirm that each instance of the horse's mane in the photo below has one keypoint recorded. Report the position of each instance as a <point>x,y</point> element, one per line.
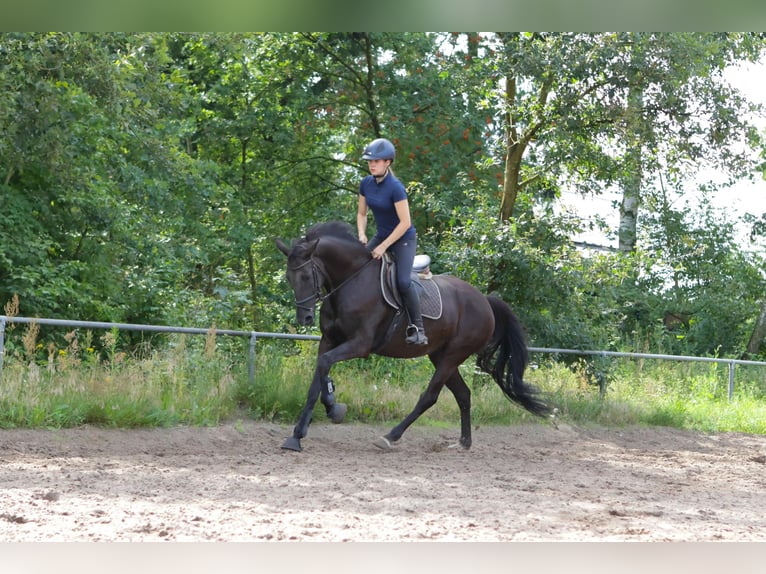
<point>339,229</point>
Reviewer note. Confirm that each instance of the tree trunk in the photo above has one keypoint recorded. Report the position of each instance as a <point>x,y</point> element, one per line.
<point>513,153</point>
<point>631,193</point>
<point>516,144</point>
<point>511,181</point>
<point>759,332</point>
<point>628,218</point>
<point>253,283</point>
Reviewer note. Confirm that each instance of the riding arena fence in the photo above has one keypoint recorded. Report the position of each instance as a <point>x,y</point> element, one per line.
<point>253,337</point>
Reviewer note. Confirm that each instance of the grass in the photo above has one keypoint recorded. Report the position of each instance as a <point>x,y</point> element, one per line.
<point>681,395</point>
<point>74,385</point>
<point>203,381</point>
<point>691,396</point>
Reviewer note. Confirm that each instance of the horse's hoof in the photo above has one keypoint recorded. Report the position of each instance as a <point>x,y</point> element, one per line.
<point>383,443</point>
<point>292,443</point>
<point>338,413</point>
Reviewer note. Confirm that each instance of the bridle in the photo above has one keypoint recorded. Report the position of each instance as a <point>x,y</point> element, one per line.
<point>316,270</point>
<point>316,295</point>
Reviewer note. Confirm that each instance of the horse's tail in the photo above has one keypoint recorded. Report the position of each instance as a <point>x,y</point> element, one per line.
<point>506,358</point>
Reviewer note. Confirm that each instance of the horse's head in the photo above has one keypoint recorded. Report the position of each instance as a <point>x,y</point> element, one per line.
<point>312,267</point>
<point>304,278</point>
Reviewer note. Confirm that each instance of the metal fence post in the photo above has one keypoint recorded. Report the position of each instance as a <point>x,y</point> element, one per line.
<point>251,364</point>
<point>732,366</point>
<point>2,344</point>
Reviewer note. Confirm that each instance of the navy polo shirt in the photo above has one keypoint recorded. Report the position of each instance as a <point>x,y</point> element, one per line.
<point>381,198</point>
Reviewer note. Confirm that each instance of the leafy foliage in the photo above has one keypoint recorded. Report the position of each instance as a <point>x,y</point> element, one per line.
<point>144,176</point>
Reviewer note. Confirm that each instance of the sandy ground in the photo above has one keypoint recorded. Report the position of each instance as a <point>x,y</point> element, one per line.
<point>521,483</point>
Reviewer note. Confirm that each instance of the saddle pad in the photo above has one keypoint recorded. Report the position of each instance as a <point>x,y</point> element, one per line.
<point>430,297</point>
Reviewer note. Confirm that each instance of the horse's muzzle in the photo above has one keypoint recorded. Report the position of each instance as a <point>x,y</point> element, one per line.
<point>305,318</point>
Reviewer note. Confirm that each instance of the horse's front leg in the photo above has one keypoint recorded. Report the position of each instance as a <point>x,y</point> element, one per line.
<point>336,412</point>
<point>301,429</point>
<point>322,385</point>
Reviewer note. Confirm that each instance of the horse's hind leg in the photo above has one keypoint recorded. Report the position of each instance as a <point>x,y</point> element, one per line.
<point>425,402</point>
<point>462,393</point>
<point>428,399</point>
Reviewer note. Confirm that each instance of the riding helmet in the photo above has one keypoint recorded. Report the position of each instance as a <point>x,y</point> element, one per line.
<point>380,148</point>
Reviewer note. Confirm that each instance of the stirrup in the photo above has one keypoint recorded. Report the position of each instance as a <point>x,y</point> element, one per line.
<point>416,335</point>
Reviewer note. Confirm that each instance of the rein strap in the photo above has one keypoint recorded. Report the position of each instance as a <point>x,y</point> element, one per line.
<point>317,295</point>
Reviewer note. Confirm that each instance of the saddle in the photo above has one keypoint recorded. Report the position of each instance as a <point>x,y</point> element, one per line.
<point>423,282</point>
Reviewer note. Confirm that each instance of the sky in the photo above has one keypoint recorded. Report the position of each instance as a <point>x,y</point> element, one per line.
<point>744,196</point>
<point>751,80</point>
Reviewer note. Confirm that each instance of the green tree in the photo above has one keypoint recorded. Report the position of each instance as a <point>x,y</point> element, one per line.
<point>579,109</point>
<point>144,176</point>
<point>255,121</point>
<point>92,176</point>
<point>701,278</point>
<point>415,91</point>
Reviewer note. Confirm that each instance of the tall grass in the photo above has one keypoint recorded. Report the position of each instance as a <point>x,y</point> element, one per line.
<point>648,392</point>
<point>88,379</point>
<point>642,392</point>
<point>51,386</point>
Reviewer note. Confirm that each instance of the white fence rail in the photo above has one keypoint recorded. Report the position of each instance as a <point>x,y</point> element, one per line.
<point>253,336</point>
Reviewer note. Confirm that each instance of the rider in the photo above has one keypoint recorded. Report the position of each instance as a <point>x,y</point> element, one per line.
<point>382,192</point>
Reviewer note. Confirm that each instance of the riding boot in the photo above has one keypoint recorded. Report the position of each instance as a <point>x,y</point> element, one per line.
<point>416,334</point>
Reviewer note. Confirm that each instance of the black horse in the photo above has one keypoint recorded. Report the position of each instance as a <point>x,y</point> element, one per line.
<point>330,265</point>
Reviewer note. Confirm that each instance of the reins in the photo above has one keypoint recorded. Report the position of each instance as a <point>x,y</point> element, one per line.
<point>315,271</point>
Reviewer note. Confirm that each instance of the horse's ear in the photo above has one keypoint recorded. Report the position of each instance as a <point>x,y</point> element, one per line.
<point>282,247</point>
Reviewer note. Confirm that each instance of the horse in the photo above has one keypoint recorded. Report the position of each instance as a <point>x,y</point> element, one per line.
<point>330,265</point>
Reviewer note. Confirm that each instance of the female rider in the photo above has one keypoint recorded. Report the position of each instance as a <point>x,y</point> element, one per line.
<point>385,195</point>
